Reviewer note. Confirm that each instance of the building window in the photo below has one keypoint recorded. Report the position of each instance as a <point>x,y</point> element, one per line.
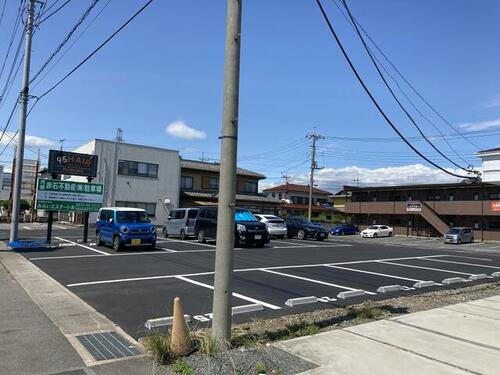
<point>476,196</point>
<point>149,207</point>
<point>476,225</point>
<point>280,196</point>
<point>494,195</point>
<point>273,195</point>
<point>451,197</point>
<point>494,224</point>
<point>211,183</point>
<point>250,187</point>
<point>137,168</point>
<point>186,182</point>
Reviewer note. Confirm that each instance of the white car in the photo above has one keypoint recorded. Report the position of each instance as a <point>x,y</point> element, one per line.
<point>377,231</point>
<point>275,225</point>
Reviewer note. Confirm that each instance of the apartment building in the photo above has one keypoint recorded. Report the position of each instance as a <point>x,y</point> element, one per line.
<point>199,186</point>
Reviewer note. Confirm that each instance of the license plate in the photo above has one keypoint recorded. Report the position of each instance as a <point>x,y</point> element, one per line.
<point>258,236</point>
<point>135,241</point>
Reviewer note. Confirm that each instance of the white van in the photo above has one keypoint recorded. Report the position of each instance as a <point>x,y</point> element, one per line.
<point>180,223</point>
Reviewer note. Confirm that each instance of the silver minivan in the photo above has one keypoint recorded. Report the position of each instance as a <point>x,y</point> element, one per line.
<point>180,223</point>
<point>459,235</point>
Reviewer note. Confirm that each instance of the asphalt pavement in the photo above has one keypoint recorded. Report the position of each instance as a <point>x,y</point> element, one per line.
<point>134,285</point>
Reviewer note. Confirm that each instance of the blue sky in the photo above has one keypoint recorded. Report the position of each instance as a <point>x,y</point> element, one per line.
<point>167,67</point>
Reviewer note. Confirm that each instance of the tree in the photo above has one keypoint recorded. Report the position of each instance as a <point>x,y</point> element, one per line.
<point>25,205</point>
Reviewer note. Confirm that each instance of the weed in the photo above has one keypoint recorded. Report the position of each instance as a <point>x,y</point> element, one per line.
<point>181,367</point>
<point>158,345</point>
<point>301,329</point>
<point>208,345</point>
<point>365,313</point>
<point>260,368</point>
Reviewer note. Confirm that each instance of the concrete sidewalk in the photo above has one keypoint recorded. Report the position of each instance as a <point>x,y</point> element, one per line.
<point>457,339</point>
<point>32,342</point>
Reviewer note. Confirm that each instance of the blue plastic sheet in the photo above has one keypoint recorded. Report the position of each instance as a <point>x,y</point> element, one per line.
<point>27,244</point>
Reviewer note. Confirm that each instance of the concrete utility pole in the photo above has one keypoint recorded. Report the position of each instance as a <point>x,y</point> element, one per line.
<point>314,165</point>
<point>224,263</point>
<point>24,96</point>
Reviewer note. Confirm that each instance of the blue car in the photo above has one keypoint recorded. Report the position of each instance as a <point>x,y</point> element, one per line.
<point>342,229</point>
<point>124,226</point>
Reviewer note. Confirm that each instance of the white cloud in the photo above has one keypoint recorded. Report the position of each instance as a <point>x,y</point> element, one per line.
<point>481,125</point>
<point>492,103</point>
<point>30,140</point>
<point>180,129</point>
<point>332,179</point>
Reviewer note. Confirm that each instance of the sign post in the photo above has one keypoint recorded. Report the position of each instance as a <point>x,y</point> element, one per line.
<point>74,164</point>
<point>57,195</point>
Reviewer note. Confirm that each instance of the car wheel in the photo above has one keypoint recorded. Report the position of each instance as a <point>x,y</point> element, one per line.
<point>375,235</point>
<point>459,241</point>
<point>301,235</point>
<point>183,235</point>
<point>390,234</point>
<point>201,236</point>
<point>261,244</point>
<point>153,245</point>
<point>117,246</point>
<point>165,234</point>
<point>98,240</point>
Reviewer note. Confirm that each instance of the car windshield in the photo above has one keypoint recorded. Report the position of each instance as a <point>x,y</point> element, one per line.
<point>131,217</point>
<point>243,215</point>
<point>454,231</point>
<point>373,227</point>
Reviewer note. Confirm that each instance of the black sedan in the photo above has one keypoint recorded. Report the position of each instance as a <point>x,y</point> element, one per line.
<point>302,228</point>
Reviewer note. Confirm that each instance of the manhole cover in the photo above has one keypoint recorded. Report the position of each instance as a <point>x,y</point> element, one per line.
<point>108,345</point>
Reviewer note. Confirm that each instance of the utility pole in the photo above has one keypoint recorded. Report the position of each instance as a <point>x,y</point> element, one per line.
<point>61,141</point>
<point>114,172</point>
<point>24,96</point>
<point>314,165</point>
<point>224,262</point>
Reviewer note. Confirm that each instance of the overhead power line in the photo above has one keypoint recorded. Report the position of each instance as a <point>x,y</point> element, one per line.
<point>354,23</point>
<point>65,40</point>
<point>391,91</point>
<point>91,54</point>
<point>408,83</point>
<point>372,98</point>
<point>54,12</point>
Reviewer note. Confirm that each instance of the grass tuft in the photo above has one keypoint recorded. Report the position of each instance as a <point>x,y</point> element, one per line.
<point>181,367</point>
<point>260,368</point>
<point>208,345</point>
<point>158,345</point>
<point>365,313</point>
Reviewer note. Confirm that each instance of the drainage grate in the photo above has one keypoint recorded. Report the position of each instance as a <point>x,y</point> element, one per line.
<point>108,345</point>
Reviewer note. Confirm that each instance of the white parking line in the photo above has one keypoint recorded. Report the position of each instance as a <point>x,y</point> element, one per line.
<point>27,228</point>
<point>288,242</point>
<point>313,281</point>
<point>188,242</point>
<point>60,227</point>
<point>425,268</point>
<point>464,263</point>
<point>145,278</point>
<point>85,247</point>
<point>373,273</point>
<point>237,295</point>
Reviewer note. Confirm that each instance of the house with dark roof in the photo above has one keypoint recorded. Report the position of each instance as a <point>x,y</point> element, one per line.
<point>199,186</point>
<point>295,200</point>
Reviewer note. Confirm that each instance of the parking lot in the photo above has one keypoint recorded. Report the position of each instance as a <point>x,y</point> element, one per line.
<point>135,285</point>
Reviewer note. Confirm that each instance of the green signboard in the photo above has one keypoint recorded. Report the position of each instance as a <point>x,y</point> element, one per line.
<point>57,195</point>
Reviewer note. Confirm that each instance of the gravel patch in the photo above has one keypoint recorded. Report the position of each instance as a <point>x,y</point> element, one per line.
<point>247,361</point>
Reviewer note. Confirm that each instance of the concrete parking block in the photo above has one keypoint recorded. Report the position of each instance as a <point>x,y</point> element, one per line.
<point>454,280</point>
<point>424,284</point>
<point>301,301</point>
<point>390,288</point>
<point>480,276</point>
<point>495,274</point>
<point>350,294</point>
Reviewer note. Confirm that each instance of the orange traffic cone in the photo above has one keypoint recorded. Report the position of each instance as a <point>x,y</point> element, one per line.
<point>180,342</point>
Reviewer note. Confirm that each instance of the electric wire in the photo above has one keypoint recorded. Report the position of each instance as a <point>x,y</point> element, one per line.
<point>374,101</point>
<point>65,40</point>
<point>54,12</point>
<point>386,84</point>
<point>91,54</point>
<point>353,22</point>
<point>408,83</point>
<point>14,31</point>
<point>3,11</point>
<point>41,79</point>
